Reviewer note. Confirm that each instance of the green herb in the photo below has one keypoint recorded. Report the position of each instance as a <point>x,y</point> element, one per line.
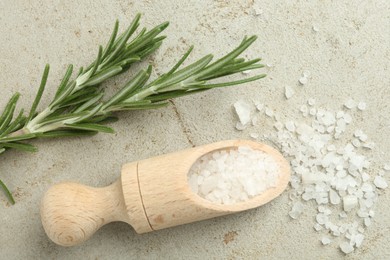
<point>80,106</point>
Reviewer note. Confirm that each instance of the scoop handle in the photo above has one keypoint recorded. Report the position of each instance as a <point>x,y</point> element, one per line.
<point>71,212</point>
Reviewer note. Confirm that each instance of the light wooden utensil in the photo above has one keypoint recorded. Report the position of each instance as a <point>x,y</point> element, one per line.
<point>151,194</point>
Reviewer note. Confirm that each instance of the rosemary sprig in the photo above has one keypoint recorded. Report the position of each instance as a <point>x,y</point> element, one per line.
<point>79,106</point>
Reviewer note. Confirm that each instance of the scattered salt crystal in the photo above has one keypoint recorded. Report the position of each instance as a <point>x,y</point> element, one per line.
<point>334,197</point>
<point>259,106</point>
<point>303,80</point>
<point>311,101</point>
<point>325,241</point>
<point>318,227</point>
<point>346,248</point>
<point>304,110</point>
<point>362,106</point>
<point>290,126</point>
<point>254,135</point>
<point>387,167</point>
<point>296,210</point>
<point>306,73</point>
<point>258,11</point>
<point>380,182</point>
<point>312,111</point>
<point>315,28</point>
<point>349,202</point>
<point>342,214</point>
<point>240,126</point>
<point>289,92</point>
<point>243,111</point>
<point>255,119</point>
<point>367,222</point>
<point>358,239</point>
<point>246,72</point>
<point>269,112</point>
<point>355,142</point>
<point>350,103</point>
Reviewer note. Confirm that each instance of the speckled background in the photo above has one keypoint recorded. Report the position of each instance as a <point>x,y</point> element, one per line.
<point>348,57</point>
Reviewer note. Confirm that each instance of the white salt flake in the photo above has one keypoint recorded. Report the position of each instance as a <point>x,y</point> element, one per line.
<point>358,240</point>
<point>311,101</point>
<point>243,111</point>
<point>367,222</point>
<point>380,182</point>
<point>349,202</point>
<point>325,241</point>
<point>350,103</point>
<point>240,126</point>
<point>303,80</point>
<point>334,197</point>
<point>362,106</point>
<point>315,28</point>
<point>254,135</point>
<point>346,248</point>
<point>288,92</point>
<point>259,106</point>
<point>386,167</point>
<point>246,72</point>
<point>296,210</point>
<point>318,227</point>
<point>306,73</point>
<point>290,126</point>
<point>269,112</point>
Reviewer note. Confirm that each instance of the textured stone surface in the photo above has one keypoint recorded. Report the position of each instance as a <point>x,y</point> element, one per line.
<point>344,45</point>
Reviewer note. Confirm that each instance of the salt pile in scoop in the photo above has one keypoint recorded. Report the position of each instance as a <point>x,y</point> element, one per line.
<point>232,176</point>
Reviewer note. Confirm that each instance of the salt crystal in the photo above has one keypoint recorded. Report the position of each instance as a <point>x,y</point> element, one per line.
<point>325,241</point>
<point>350,103</point>
<point>254,135</point>
<point>315,28</point>
<point>355,142</point>
<point>255,119</point>
<point>380,182</point>
<point>296,210</point>
<point>367,222</point>
<point>303,80</point>
<point>304,110</point>
<point>318,227</point>
<point>240,126</point>
<point>349,202</point>
<point>289,92</point>
<point>306,73</point>
<point>243,111</point>
<point>290,126</point>
<point>362,106</point>
<point>387,167</point>
<point>246,72</point>
<point>359,240</point>
<point>334,197</point>
<point>259,106</point>
<point>342,214</point>
<point>346,248</point>
<point>269,112</point>
<point>258,11</point>
<point>311,101</point>
<point>312,111</point>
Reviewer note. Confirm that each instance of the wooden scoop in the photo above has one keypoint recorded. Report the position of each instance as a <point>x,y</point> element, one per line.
<point>151,194</point>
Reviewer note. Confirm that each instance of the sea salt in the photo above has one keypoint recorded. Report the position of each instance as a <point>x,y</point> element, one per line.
<point>289,92</point>
<point>232,176</point>
<point>243,111</point>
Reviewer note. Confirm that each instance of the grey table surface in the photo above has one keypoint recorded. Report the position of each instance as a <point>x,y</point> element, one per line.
<point>349,56</point>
